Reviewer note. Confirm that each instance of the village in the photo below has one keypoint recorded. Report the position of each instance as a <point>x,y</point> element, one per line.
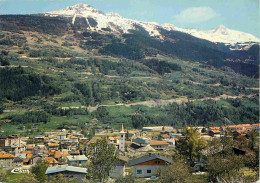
<point>141,152</point>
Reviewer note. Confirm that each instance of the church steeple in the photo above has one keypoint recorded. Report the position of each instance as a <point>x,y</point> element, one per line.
<point>122,129</point>
<point>122,139</point>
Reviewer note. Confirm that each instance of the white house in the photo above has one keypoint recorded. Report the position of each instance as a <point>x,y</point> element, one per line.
<point>146,166</point>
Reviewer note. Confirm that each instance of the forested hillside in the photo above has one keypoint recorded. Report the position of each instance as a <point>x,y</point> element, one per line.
<point>55,74</point>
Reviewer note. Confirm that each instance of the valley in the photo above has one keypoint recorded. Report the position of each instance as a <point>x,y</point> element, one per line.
<point>75,73</point>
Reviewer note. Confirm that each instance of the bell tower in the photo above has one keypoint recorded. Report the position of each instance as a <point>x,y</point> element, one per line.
<point>122,139</point>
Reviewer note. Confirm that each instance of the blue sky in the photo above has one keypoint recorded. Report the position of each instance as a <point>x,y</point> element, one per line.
<point>242,15</point>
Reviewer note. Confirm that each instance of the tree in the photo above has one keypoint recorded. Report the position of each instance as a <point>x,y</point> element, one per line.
<point>178,171</point>
<point>191,145</point>
<point>2,175</point>
<point>39,170</point>
<point>220,166</point>
<point>27,178</point>
<point>130,178</point>
<point>103,157</point>
<point>252,136</point>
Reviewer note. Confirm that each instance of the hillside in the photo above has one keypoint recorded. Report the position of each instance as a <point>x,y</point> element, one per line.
<point>57,72</point>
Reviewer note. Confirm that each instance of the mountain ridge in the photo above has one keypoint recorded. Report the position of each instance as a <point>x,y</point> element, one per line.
<point>116,23</point>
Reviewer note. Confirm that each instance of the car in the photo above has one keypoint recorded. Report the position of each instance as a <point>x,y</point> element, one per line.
<point>154,177</point>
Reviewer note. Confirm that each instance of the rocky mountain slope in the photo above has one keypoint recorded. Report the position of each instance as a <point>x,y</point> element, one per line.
<point>113,22</point>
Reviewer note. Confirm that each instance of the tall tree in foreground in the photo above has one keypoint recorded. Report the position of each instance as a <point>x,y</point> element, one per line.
<point>178,171</point>
<point>103,157</point>
<point>191,145</point>
<point>39,170</point>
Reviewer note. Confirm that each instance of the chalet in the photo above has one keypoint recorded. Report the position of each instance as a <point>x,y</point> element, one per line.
<point>146,166</point>
<point>78,160</point>
<point>66,171</point>
<point>159,145</point>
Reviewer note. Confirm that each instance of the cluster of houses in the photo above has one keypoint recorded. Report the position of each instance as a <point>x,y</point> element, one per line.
<point>65,152</point>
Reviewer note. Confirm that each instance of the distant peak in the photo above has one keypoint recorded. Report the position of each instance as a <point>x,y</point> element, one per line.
<point>114,14</point>
<point>80,9</point>
<point>221,26</point>
<point>79,6</point>
<point>222,30</point>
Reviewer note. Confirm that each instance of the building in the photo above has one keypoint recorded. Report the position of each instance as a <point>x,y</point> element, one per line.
<point>67,171</point>
<point>159,145</point>
<point>6,160</point>
<point>50,160</point>
<point>122,139</point>
<point>119,169</point>
<point>146,166</point>
<point>12,141</point>
<point>158,128</point>
<point>256,127</point>
<point>113,139</point>
<point>214,131</point>
<point>78,160</point>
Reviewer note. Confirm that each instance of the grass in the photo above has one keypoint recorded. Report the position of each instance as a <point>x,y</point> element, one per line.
<point>12,178</point>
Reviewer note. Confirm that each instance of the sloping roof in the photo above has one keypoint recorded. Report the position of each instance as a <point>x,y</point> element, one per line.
<point>148,158</point>
<point>257,124</point>
<point>29,147</point>
<point>215,131</point>
<point>26,160</point>
<point>77,158</point>
<point>50,160</point>
<point>53,145</point>
<point>166,136</point>
<point>214,128</point>
<point>57,154</point>
<point>158,142</point>
<point>18,159</point>
<point>6,156</point>
<point>140,140</point>
<point>26,152</point>
<point>113,138</point>
<point>62,168</point>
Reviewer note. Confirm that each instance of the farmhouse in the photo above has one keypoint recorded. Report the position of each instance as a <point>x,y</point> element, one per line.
<point>147,165</point>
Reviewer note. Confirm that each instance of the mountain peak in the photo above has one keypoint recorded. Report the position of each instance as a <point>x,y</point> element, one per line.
<point>79,9</point>
<point>222,30</point>
<point>114,22</point>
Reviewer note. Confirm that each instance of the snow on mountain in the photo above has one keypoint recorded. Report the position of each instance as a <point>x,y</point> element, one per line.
<point>222,35</point>
<point>113,21</point>
<point>118,24</point>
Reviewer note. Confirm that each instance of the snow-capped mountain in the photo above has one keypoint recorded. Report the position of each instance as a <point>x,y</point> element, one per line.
<point>118,24</point>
